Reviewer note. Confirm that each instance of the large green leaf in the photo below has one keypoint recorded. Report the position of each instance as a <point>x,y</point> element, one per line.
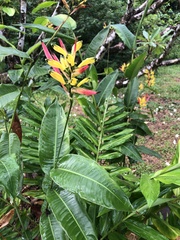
<point>15,74</point>
<point>150,188</point>
<point>143,230</point>
<point>51,134</point>
<point>8,10</point>
<point>171,177</point>
<point>131,94</point>
<point>8,93</point>
<point>135,66</point>
<point>7,51</point>
<point>49,30</point>
<point>71,214</point>
<point>50,228</point>
<point>9,144</point>
<point>166,229</point>
<point>43,5</point>
<point>65,20</point>
<point>124,33</point>
<point>105,88</point>
<point>85,177</point>
<point>96,43</point>
<point>10,174</point>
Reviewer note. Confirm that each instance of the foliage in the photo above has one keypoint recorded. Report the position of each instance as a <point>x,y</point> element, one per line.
<point>58,183</point>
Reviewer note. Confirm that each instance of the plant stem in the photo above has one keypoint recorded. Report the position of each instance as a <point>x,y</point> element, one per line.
<point>20,220</point>
<point>102,131</point>
<point>139,26</point>
<point>65,127</point>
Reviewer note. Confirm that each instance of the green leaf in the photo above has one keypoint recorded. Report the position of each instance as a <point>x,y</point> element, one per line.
<point>105,88</point>
<point>49,30</point>
<point>171,177</point>
<point>123,32</point>
<point>96,43</point>
<point>2,26</point>
<point>93,76</point>
<point>85,177</point>
<point>72,216</point>
<point>166,229</point>
<point>176,158</point>
<point>5,40</point>
<point>9,144</point>
<point>15,75</point>
<point>131,94</point>
<point>50,228</point>
<point>8,10</point>
<point>42,20</point>
<point>143,230</point>
<point>50,138</point>
<point>135,66</point>
<point>43,5</point>
<point>65,20</point>
<point>131,151</point>
<point>116,236</point>
<point>10,174</point>
<point>8,93</point>
<point>150,188</point>
<point>6,51</point>
<point>116,142</point>
<point>148,151</point>
<point>88,145</point>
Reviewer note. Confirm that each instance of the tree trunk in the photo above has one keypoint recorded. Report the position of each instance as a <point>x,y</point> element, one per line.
<point>23,12</point>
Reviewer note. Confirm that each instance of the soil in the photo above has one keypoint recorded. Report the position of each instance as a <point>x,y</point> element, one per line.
<point>165,126</point>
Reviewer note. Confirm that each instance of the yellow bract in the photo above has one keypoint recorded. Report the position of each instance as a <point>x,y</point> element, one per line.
<point>70,59</point>
<point>57,77</point>
<point>87,61</point>
<point>73,82</point>
<point>60,50</point>
<point>85,80</point>
<point>56,64</point>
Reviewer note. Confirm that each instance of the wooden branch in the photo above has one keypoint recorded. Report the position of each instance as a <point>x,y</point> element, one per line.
<point>138,13</point>
<point>158,61</point>
<point>131,15</point>
<point>170,62</point>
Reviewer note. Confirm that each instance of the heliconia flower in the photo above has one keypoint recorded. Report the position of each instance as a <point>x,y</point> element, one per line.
<point>150,78</point>
<point>66,70</point>
<point>124,67</point>
<point>142,101</point>
<point>84,91</point>
<point>141,86</point>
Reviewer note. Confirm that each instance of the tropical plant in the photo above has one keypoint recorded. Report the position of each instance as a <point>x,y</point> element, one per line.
<point>56,183</point>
